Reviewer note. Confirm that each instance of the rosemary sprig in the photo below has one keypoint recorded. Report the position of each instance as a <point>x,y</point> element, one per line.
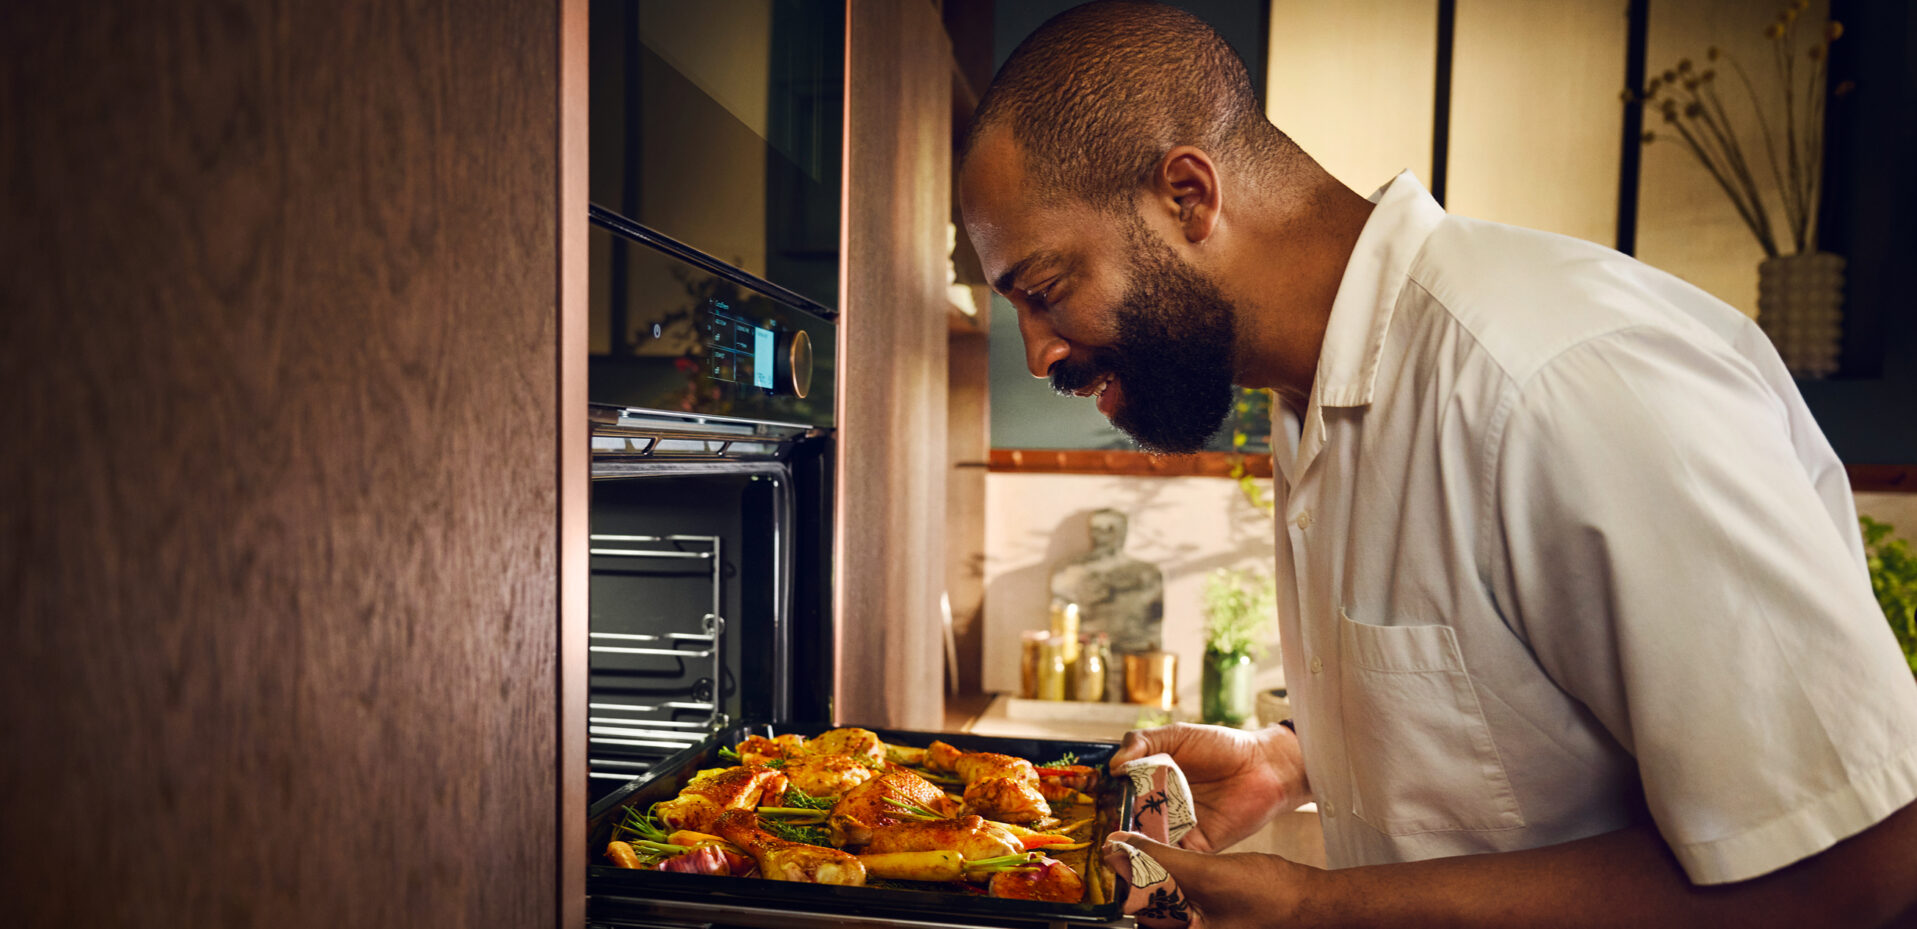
<point>809,835</point>
<point>794,797</point>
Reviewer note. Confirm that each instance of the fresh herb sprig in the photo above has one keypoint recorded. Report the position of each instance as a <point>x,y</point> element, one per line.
<point>794,797</point>
<point>809,835</point>
<point>1064,761</point>
<point>644,825</point>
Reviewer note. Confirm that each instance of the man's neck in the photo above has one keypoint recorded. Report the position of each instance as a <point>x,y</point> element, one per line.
<point>1287,286</point>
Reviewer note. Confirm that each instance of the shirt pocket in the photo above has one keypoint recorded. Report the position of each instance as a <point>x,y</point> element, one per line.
<point>1419,749</point>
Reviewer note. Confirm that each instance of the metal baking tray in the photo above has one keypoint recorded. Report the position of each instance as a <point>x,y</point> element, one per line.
<point>616,894</point>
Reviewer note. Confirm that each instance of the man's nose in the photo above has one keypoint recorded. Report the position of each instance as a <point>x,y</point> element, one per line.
<point>1043,346</point>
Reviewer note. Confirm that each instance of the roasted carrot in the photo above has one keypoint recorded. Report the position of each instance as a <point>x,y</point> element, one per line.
<point>692,839</point>
<point>622,855</point>
<point>1041,839</point>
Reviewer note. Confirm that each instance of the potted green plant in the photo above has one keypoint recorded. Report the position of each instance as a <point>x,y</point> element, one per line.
<point>1240,607</point>
<point>1893,578</point>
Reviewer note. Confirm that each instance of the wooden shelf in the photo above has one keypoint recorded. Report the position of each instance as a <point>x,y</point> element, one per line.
<point>1116,461</point>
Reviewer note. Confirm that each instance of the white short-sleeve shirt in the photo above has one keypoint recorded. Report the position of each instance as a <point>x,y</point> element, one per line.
<point>1561,550</point>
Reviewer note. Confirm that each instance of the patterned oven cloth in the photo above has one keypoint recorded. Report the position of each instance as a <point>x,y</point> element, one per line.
<point>1162,808</point>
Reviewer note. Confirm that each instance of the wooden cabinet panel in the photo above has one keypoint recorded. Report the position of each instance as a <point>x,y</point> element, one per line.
<point>279,544</point>
<point>892,406</point>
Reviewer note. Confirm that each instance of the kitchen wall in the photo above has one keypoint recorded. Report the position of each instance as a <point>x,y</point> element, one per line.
<point>1187,526</point>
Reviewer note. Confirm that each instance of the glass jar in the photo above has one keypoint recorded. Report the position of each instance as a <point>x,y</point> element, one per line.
<point>1094,663</point>
<point>1224,688</point>
<point>1053,670</point>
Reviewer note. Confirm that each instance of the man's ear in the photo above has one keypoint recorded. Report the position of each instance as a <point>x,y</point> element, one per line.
<point>1186,185</point>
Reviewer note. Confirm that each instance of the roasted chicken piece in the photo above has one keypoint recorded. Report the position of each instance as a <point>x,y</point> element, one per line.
<point>942,756</point>
<point>868,806</point>
<point>978,766</point>
<point>1053,880</point>
<point>861,744</point>
<point>709,795</point>
<point>757,749</point>
<point>1007,800</point>
<point>827,775</point>
<point>1000,787</point>
<point>971,836</point>
<point>782,860</point>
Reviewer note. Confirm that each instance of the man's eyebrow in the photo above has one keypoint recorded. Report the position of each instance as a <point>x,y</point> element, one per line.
<point>1003,283</point>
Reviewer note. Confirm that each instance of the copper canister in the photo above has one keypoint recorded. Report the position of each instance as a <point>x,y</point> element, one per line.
<point>1151,678</point>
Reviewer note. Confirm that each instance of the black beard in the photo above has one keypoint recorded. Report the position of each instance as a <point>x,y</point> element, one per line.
<point>1173,355</point>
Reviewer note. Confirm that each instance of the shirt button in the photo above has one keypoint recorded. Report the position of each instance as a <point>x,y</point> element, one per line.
<point>1328,809</point>
<point>1303,520</point>
<point>1317,664</point>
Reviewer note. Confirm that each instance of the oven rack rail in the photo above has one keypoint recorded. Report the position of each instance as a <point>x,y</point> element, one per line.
<point>623,438</point>
<point>625,739</point>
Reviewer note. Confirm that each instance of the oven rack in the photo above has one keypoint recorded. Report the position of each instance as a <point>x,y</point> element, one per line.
<point>624,437</point>
<point>625,739</point>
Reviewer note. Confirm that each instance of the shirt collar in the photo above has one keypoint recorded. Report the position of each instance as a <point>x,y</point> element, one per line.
<point>1361,313</point>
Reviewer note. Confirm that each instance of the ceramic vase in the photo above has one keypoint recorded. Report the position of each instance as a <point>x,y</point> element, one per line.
<point>1800,302</point>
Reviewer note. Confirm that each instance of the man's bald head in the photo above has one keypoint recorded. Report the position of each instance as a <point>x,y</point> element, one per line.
<point>1102,91</point>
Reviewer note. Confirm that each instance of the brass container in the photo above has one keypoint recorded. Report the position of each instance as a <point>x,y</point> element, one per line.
<point>1065,626</point>
<point>1054,672</point>
<point>1031,643</point>
<point>1151,678</point>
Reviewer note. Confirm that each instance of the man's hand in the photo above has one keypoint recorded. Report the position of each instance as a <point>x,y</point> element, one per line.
<point>1227,890</point>
<point>1239,780</point>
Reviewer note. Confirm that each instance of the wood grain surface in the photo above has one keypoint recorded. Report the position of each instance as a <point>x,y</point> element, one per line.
<point>1117,461</point>
<point>890,567</point>
<point>279,546</point>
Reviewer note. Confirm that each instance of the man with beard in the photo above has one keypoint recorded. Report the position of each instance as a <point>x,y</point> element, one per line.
<point>1575,615</point>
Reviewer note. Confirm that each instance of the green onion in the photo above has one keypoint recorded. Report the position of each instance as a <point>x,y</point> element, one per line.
<point>643,825</point>
<point>660,848</point>
<point>912,810</point>
<point>794,815</point>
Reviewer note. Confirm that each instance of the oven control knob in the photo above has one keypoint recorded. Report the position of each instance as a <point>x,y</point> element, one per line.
<point>794,364</point>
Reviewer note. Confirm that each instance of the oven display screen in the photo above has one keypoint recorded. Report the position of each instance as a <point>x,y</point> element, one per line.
<point>737,350</point>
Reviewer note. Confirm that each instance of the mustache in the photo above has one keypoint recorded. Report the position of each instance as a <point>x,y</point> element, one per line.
<point>1075,374</point>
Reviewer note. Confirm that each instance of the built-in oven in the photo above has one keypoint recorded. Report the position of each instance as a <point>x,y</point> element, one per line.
<point>711,517</point>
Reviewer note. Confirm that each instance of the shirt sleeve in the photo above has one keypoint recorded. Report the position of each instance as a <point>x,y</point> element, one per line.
<point>1672,567</point>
